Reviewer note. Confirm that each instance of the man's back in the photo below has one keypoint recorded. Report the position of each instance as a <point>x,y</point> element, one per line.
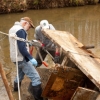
<point>41,37</point>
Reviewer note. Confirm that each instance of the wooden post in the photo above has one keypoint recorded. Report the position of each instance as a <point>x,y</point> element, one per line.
<point>6,83</point>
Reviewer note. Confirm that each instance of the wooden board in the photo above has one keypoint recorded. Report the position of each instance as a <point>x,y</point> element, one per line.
<point>84,59</point>
<point>98,98</point>
<point>62,84</point>
<point>84,94</point>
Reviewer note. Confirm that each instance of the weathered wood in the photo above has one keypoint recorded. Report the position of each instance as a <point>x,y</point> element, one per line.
<point>84,94</point>
<point>65,60</point>
<point>98,98</point>
<point>63,84</point>
<point>84,59</point>
<point>6,83</point>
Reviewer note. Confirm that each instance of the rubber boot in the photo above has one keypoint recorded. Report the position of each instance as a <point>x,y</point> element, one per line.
<point>35,91</point>
<point>16,86</point>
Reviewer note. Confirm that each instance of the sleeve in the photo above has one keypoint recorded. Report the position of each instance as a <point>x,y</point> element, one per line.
<point>36,35</point>
<point>22,45</point>
<point>52,27</point>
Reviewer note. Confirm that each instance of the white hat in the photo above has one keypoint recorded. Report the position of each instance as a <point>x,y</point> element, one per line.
<point>44,24</point>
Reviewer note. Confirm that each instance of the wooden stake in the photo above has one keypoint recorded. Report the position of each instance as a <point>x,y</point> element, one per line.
<point>6,83</point>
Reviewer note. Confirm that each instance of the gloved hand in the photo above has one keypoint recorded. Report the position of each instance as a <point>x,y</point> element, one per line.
<point>57,57</point>
<point>34,62</point>
<point>43,47</point>
<point>30,44</point>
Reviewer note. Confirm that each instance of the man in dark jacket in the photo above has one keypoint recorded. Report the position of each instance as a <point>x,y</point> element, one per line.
<point>19,52</point>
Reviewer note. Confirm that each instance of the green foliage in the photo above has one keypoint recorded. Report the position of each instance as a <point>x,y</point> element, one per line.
<point>36,2</point>
<point>77,2</point>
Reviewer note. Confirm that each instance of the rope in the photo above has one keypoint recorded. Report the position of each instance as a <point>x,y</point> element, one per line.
<point>16,62</point>
<point>17,71</point>
<point>3,38</point>
<point>15,37</point>
<point>21,39</point>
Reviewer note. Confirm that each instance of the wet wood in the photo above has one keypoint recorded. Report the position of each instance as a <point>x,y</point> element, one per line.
<point>2,72</point>
<point>84,59</point>
<point>62,84</point>
<point>98,98</point>
<point>65,61</point>
<point>84,94</point>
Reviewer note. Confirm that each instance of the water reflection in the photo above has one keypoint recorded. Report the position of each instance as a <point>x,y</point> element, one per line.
<point>86,31</point>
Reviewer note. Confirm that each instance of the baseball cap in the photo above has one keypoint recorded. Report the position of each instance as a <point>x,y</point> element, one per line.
<point>44,24</point>
<point>28,20</point>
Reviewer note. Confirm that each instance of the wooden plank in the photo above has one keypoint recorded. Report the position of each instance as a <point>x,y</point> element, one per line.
<point>84,94</point>
<point>62,84</point>
<point>98,98</point>
<point>84,59</point>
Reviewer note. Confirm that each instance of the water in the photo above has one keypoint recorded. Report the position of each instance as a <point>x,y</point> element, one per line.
<point>83,22</point>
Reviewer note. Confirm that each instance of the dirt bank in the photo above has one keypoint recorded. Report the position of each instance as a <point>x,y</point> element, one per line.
<point>9,6</point>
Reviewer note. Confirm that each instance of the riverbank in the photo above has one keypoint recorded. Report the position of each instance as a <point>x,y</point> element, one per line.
<point>13,6</point>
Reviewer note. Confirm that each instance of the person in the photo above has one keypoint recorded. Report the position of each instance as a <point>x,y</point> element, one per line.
<point>46,43</point>
<point>26,63</point>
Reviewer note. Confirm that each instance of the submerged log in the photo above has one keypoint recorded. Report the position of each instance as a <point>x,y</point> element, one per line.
<point>84,59</point>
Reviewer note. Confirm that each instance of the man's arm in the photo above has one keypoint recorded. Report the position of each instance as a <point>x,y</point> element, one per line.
<point>22,45</point>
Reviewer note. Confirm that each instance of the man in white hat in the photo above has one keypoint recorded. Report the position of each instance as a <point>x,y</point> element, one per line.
<point>46,43</point>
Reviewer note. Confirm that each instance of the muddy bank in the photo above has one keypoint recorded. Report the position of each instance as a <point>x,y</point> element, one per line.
<point>11,6</point>
<point>46,4</point>
<point>8,6</point>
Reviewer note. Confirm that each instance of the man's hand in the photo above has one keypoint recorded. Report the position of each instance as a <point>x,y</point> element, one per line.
<point>43,47</point>
<point>34,62</point>
<point>57,57</point>
<point>34,43</point>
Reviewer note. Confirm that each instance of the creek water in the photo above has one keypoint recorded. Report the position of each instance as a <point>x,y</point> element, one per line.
<point>83,22</point>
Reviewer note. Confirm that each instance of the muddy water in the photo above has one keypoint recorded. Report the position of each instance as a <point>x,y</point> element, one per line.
<point>82,22</point>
